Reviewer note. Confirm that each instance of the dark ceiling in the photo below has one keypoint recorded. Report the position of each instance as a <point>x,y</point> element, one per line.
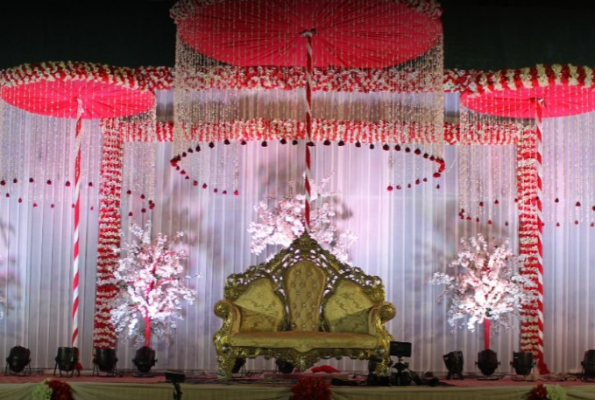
<point>478,34</point>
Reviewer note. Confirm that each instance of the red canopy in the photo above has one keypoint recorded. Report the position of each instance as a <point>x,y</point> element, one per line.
<point>56,89</point>
<point>563,90</point>
<point>348,33</point>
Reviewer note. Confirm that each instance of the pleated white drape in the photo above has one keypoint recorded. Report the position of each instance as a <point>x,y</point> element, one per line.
<point>404,237</point>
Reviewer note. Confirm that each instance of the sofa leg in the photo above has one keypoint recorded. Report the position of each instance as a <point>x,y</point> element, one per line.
<point>382,366</point>
<point>226,363</point>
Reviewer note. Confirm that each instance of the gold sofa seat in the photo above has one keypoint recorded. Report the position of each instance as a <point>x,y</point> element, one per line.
<point>304,341</point>
<point>302,306</point>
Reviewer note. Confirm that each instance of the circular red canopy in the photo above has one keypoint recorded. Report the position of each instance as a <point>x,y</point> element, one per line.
<point>359,34</point>
<point>56,89</point>
<point>558,101</point>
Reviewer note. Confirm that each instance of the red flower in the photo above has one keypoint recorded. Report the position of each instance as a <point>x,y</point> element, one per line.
<point>311,389</point>
<point>539,392</point>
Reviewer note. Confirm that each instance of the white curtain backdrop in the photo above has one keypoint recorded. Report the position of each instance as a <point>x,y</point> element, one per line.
<point>404,237</point>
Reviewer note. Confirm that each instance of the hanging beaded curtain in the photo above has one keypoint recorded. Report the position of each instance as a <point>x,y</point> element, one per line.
<point>350,71</point>
<point>548,112</point>
<point>39,97</point>
<point>531,96</point>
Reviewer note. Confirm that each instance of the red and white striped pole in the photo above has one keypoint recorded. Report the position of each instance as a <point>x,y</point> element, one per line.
<point>77,213</point>
<point>539,209</point>
<point>309,143</point>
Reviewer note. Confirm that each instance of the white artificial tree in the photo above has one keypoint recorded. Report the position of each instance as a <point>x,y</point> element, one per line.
<point>150,279</point>
<point>487,284</point>
<point>284,222</point>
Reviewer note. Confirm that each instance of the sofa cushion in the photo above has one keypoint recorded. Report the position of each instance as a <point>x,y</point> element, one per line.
<point>304,284</point>
<point>261,309</point>
<point>348,308</point>
<point>304,341</point>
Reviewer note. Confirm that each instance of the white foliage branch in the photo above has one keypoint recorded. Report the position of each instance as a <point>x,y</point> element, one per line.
<point>151,286</point>
<point>486,285</point>
<point>284,222</point>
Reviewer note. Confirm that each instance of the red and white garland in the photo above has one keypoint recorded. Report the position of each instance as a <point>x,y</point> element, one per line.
<point>534,77</point>
<point>110,219</point>
<point>71,71</point>
<point>331,79</point>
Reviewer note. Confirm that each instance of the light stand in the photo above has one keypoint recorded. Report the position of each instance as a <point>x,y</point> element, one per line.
<point>402,376</point>
<point>175,377</point>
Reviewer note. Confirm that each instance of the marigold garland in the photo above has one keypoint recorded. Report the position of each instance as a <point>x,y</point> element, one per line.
<point>311,389</point>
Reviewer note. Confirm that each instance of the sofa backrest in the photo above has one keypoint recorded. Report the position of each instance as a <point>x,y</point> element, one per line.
<point>335,299</point>
<point>304,284</point>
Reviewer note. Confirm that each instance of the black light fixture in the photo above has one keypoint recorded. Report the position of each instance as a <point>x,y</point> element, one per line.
<point>67,360</point>
<point>105,361</point>
<point>522,362</point>
<point>487,361</point>
<point>588,365</point>
<point>144,360</point>
<point>18,360</point>
<point>455,363</point>
<point>175,377</point>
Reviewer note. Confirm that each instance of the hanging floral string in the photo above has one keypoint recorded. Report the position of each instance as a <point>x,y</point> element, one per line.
<point>547,392</point>
<point>283,223</point>
<point>311,389</point>
<point>488,284</point>
<point>52,389</point>
<point>151,286</point>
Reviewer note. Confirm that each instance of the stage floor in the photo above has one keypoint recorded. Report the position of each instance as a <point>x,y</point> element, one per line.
<point>205,388</point>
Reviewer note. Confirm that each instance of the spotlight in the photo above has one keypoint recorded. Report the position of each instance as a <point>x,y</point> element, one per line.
<point>18,358</point>
<point>487,361</point>
<point>285,367</point>
<point>67,360</point>
<point>105,360</point>
<point>144,360</point>
<point>522,363</point>
<point>588,364</point>
<point>175,377</point>
<point>454,362</point>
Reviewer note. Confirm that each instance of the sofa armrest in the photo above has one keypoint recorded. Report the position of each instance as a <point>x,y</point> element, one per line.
<point>230,313</point>
<point>379,314</point>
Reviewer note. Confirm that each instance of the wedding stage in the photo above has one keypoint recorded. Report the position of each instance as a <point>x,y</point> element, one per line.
<point>205,388</point>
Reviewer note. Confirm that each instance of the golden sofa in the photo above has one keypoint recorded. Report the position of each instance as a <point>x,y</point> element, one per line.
<point>302,306</point>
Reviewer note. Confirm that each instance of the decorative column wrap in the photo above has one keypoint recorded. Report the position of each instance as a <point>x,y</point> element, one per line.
<point>109,233</point>
<point>530,240</point>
